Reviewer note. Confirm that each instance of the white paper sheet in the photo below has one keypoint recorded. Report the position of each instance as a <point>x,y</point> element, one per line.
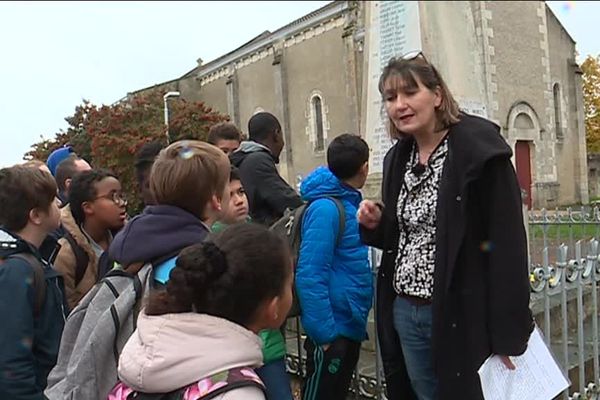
<point>537,376</point>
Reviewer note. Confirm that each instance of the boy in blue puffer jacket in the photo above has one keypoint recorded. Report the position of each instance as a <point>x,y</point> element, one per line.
<point>334,281</point>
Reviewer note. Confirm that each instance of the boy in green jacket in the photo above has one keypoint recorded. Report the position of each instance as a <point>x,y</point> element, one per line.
<point>272,373</point>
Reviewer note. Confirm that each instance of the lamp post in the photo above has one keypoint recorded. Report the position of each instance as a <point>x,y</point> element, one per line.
<point>166,108</point>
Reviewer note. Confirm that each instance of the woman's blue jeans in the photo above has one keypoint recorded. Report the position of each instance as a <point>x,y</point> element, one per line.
<point>413,325</point>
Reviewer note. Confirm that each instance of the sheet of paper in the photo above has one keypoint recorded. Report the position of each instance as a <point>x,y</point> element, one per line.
<point>537,376</point>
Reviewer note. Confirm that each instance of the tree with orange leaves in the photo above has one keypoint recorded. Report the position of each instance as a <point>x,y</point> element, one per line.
<point>591,101</point>
<point>108,136</point>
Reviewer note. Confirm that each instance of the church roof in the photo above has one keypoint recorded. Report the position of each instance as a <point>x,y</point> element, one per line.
<point>267,38</point>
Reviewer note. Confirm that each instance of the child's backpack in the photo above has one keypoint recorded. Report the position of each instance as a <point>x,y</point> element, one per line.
<point>205,389</point>
<point>95,333</point>
<point>290,226</point>
<point>39,280</point>
<point>81,257</point>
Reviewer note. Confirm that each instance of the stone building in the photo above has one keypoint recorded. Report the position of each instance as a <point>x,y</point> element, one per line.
<point>512,62</point>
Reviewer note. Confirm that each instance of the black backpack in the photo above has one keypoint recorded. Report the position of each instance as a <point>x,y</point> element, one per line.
<point>290,227</point>
<point>39,280</point>
<point>82,259</point>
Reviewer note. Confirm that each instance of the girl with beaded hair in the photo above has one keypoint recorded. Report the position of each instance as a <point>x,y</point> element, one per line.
<point>199,336</point>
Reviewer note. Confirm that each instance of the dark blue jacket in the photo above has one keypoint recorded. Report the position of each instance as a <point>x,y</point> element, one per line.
<point>157,234</point>
<point>28,343</point>
<point>334,283</point>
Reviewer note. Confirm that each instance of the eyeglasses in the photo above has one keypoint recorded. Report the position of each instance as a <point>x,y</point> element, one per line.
<point>116,197</point>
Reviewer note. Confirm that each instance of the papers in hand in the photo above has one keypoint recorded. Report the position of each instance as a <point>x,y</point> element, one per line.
<point>537,376</point>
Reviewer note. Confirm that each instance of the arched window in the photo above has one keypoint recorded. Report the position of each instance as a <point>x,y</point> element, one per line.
<point>557,111</point>
<point>317,105</point>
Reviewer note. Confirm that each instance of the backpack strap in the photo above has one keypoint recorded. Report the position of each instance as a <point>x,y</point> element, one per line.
<point>104,265</point>
<point>234,378</point>
<point>82,258</point>
<point>138,287</point>
<point>39,280</point>
<point>342,213</point>
<point>232,386</point>
<point>163,270</point>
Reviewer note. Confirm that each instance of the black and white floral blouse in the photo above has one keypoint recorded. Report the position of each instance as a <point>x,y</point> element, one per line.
<point>416,217</point>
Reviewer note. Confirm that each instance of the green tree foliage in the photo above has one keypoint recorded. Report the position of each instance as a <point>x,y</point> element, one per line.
<point>591,100</point>
<point>108,136</point>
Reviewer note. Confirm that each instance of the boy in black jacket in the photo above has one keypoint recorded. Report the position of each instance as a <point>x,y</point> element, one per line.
<point>268,194</point>
<point>31,296</point>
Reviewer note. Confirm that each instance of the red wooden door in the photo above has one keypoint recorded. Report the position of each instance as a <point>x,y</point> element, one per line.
<point>523,158</point>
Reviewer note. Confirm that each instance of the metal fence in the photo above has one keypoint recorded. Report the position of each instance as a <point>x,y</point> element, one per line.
<point>565,270</point>
<point>564,254</point>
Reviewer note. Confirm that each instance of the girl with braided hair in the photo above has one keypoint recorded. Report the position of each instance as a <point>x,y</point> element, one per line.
<point>200,334</point>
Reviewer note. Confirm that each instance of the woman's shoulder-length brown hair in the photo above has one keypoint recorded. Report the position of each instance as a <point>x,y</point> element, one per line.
<point>407,72</point>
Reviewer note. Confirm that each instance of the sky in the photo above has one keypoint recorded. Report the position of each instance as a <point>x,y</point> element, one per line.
<point>54,54</point>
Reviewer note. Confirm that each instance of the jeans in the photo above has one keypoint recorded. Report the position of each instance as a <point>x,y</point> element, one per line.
<point>413,325</point>
<point>276,380</point>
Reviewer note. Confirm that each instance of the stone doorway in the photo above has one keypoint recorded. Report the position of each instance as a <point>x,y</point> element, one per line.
<point>523,164</point>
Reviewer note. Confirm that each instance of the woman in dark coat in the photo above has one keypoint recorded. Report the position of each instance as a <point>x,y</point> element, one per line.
<point>453,284</point>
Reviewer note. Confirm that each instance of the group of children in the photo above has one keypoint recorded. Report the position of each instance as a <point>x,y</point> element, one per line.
<point>217,311</point>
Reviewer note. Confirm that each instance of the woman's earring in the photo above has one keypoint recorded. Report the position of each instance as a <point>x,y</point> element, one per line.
<point>276,316</point>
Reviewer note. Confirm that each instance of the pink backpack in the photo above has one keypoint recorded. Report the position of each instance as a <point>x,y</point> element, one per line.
<point>204,389</point>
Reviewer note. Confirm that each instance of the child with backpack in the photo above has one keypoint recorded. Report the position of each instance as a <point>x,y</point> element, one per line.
<point>49,247</point>
<point>96,207</point>
<point>198,339</point>
<point>273,372</point>
<point>188,182</point>
<point>237,211</point>
<point>32,302</point>
<point>333,276</point>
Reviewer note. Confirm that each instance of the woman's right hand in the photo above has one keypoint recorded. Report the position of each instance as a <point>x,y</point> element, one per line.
<point>369,214</point>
